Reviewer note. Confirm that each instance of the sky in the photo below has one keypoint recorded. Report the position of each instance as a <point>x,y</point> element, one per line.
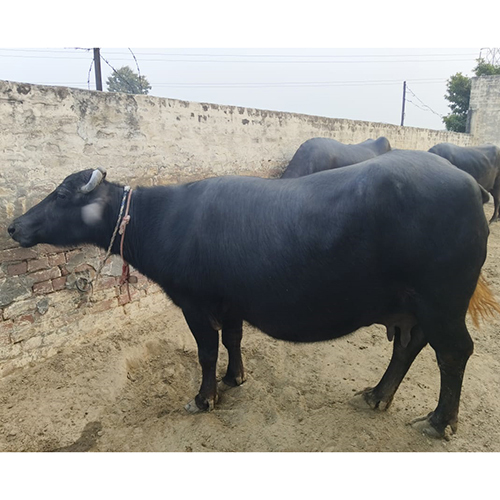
<point>356,84</point>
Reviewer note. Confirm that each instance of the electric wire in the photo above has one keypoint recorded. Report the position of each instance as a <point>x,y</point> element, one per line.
<point>426,107</point>
<point>129,84</point>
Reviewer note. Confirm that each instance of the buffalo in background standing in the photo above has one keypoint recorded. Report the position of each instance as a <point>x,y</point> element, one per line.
<point>321,153</point>
<point>482,162</point>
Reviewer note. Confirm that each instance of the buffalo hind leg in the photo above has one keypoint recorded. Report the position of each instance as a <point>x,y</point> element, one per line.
<point>495,193</point>
<point>452,356</point>
<point>380,397</point>
<point>207,339</point>
<point>232,332</point>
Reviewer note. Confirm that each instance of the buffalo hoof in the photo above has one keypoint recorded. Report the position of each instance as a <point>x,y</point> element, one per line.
<point>223,387</point>
<point>233,381</point>
<point>192,407</point>
<point>424,426</point>
<point>366,400</point>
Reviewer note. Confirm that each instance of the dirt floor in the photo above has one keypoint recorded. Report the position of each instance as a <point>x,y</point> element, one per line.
<point>127,393</point>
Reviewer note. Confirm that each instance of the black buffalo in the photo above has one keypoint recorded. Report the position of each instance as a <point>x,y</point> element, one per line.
<point>482,162</point>
<point>321,153</point>
<point>304,260</point>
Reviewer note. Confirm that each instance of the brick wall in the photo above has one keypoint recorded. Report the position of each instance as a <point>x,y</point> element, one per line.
<point>50,132</point>
<point>44,297</point>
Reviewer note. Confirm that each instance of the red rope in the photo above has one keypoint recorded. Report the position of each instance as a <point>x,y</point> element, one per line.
<point>125,277</point>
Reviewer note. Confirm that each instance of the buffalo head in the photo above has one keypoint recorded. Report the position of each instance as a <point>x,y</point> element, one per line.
<point>71,214</point>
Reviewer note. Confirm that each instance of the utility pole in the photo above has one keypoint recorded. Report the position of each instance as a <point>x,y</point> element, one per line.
<point>404,101</point>
<point>97,65</point>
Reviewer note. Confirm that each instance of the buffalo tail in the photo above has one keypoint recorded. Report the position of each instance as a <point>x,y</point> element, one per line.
<point>483,303</point>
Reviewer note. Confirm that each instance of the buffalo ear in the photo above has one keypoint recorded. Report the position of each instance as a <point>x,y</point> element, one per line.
<point>92,213</point>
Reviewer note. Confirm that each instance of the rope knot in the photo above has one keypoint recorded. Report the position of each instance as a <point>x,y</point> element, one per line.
<point>124,223</point>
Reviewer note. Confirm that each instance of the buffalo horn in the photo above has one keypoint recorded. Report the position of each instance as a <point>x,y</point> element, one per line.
<point>97,177</point>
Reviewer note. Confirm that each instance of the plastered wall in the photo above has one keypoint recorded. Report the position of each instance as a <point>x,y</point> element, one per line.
<point>484,110</point>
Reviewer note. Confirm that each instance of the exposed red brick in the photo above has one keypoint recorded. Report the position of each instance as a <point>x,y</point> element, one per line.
<point>45,248</point>
<point>105,282</point>
<point>123,299</point>
<point>15,269</point>
<point>72,253</point>
<point>59,283</point>
<point>27,318</point>
<point>5,328</point>
<point>43,287</point>
<point>57,259</point>
<point>84,267</point>
<point>18,254</point>
<point>64,271</point>
<point>48,274</point>
<point>37,264</point>
<point>104,305</point>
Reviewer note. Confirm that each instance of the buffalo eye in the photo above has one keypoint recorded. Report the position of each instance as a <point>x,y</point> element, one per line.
<point>61,196</point>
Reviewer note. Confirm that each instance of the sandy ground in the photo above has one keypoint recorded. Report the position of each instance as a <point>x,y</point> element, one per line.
<point>126,392</point>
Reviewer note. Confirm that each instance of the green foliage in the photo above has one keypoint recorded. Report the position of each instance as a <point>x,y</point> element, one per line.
<point>458,94</point>
<point>455,123</point>
<point>126,81</point>
<point>483,68</point>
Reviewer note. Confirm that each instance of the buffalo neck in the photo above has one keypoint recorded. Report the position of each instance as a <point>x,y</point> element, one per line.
<point>148,211</point>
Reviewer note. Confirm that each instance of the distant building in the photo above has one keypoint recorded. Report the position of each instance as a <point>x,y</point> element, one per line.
<point>483,119</point>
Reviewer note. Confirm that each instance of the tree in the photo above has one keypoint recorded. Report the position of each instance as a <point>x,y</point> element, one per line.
<point>126,81</point>
<point>458,88</point>
<point>458,93</point>
<point>484,68</point>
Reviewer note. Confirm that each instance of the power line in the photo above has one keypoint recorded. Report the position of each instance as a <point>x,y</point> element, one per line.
<point>323,56</point>
<point>136,64</point>
<point>235,61</point>
<point>114,71</point>
<point>77,49</point>
<point>419,107</point>
<point>53,51</point>
<point>423,103</point>
<point>293,62</point>
<point>88,76</point>
<point>270,84</point>
<point>121,75</point>
<point>292,84</point>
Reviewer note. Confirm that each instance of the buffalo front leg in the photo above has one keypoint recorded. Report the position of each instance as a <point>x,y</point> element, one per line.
<point>207,340</point>
<point>232,332</point>
<point>380,397</point>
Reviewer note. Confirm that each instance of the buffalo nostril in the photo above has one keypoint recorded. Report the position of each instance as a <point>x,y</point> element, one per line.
<point>11,229</point>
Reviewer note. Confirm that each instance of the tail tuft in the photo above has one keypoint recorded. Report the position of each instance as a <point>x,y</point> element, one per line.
<point>483,303</point>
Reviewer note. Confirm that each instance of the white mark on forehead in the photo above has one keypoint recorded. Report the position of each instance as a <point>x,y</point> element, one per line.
<point>92,214</point>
